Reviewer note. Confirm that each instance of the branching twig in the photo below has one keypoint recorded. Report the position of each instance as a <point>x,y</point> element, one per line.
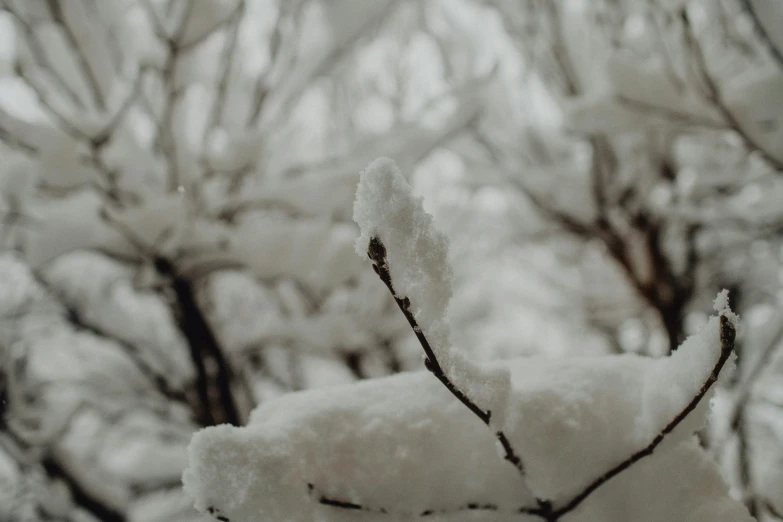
<point>776,53</point>
<point>377,253</point>
<point>86,68</point>
<point>715,97</point>
<point>105,133</point>
<point>39,55</point>
<point>165,139</point>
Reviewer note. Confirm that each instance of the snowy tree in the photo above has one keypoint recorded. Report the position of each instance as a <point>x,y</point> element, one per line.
<point>596,438</point>
<point>634,155</point>
<point>176,181</point>
<point>176,187</point>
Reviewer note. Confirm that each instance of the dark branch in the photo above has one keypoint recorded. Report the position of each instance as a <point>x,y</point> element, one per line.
<point>470,506</point>
<point>727,336</point>
<point>79,322</point>
<point>81,496</point>
<point>773,510</point>
<point>216,514</point>
<point>214,372</point>
<point>84,65</point>
<point>715,96</point>
<point>377,253</point>
<point>776,53</point>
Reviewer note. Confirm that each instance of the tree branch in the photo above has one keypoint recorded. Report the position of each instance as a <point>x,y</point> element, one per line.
<point>214,373</point>
<point>39,55</point>
<point>773,510</point>
<point>714,95</point>
<point>86,68</point>
<point>727,337</point>
<point>467,507</point>
<point>776,53</point>
<point>377,253</point>
<point>81,496</point>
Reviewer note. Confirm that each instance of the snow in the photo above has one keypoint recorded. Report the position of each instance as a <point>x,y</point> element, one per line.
<point>396,441</point>
<point>417,258</point>
<point>101,292</point>
<point>403,443</point>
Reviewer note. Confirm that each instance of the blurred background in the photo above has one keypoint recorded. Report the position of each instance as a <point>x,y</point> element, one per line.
<point>176,189</point>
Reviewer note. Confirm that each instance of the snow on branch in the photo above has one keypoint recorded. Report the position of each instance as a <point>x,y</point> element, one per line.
<point>401,448</point>
<point>411,258</point>
<point>727,336</point>
<point>377,253</point>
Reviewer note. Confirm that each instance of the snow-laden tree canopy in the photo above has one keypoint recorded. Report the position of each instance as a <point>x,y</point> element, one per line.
<point>177,249</point>
<point>584,439</point>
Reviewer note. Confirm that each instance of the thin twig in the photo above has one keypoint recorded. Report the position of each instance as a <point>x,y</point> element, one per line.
<point>727,336</point>
<point>39,55</point>
<point>776,53</point>
<point>84,64</point>
<point>714,95</point>
<point>669,114</point>
<point>773,510</point>
<point>467,507</point>
<point>102,136</point>
<point>377,253</point>
<point>234,15</point>
<point>165,138</point>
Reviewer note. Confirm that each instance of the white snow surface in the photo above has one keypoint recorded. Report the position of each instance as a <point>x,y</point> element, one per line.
<point>417,258</point>
<point>404,444</point>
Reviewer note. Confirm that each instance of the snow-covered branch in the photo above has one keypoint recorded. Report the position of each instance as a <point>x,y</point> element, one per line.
<point>614,415</point>
<point>377,253</point>
<point>386,208</point>
<point>727,335</point>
